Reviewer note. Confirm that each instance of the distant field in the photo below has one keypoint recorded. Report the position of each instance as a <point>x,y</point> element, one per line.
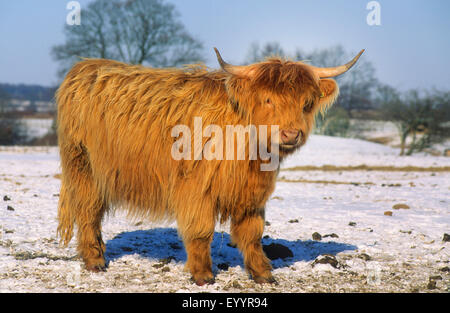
<point>37,127</point>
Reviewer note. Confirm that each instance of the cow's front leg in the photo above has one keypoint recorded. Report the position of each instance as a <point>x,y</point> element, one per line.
<point>197,231</point>
<point>199,261</point>
<point>246,233</point>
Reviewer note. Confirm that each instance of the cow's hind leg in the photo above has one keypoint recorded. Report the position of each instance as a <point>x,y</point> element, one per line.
<point>90,243</point>
<point>197,233</point>
<point>80,202</point>
<point>246,233</point>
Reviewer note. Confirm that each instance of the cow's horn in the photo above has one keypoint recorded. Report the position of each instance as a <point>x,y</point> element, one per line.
<point>232,69</point>
<point>324,72</point>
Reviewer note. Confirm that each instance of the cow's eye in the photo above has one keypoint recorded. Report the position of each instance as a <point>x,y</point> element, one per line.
<point>308,106</point>
<point>268,101</point>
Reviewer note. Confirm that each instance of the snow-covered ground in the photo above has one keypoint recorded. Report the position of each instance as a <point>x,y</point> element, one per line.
<point>363,247</point>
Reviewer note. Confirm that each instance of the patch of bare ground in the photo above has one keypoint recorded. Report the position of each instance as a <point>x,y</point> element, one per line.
<point>364,167</point>
<point>285,180</point>
<point>384,140</point>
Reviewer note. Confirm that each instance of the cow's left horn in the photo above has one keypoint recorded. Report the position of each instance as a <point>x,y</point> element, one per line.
<point>324,72</point>
<point>232,69</point>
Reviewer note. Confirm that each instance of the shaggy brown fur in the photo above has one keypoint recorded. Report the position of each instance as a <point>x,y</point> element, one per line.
<point>114,128</point>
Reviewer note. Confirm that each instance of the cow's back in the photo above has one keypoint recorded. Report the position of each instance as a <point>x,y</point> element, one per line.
<point>104,107</point>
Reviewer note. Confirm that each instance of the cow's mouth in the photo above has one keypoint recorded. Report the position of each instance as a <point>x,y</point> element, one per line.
<point>289,147</point>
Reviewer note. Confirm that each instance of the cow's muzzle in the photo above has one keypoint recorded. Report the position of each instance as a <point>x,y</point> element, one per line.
<point>290,138</point>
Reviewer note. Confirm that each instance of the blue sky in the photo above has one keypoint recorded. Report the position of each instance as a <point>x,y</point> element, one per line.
<point>410,49</point>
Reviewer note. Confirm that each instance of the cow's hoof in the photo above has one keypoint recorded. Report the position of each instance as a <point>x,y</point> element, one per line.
<point>265,280</point>
<point>203,281</point>
<point>96,265</point>
<point>96,268</point>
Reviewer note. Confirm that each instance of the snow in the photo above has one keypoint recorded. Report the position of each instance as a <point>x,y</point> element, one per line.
<point>374,252</point>
<point>325,150</point>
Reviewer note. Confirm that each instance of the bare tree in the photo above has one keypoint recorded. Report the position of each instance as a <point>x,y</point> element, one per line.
<point>257,53</point>
<point>4,97</point>
<point>12,131</point>
<point>421,116</point>
<point>132,31</point>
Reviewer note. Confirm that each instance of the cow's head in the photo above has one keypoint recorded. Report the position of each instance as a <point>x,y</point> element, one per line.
<point>284,93</point>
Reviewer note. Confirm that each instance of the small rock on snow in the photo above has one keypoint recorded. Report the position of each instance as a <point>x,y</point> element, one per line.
<point>365,257</point>
<point>446,238</point>
<point>400,206</point>
<point>316,236</point>
<point>327,259</point>
<point>431,285</point>
<point>165,269</point>
<point>277,251</point>
<point>223,266</point>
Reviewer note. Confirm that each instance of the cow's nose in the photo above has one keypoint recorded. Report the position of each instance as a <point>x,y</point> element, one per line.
<point>290,136</point>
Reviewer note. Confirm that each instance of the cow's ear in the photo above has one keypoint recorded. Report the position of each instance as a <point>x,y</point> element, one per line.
<point>329,91</point>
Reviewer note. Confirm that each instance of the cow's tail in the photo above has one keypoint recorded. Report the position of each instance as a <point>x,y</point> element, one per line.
<point>66,218</point>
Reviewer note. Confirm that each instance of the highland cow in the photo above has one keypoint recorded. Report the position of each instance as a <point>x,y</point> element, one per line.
<point>114,130</point>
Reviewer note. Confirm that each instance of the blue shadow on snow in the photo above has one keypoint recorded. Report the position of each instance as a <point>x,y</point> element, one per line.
<point>164,243</point>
